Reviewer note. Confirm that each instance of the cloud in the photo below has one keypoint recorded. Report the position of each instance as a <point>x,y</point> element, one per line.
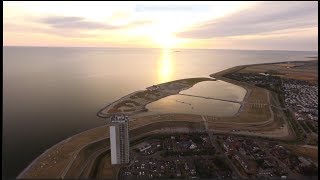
<point>80,23</point>
<point>23,28</point>
<point>74,23</point>
<point>75,26</point>
<point>261,18</point>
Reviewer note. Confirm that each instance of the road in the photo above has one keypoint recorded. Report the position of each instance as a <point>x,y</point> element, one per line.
<point>62,176</point>
<point>280,163</point>
<point>217,146</point>
<point>89,162</point>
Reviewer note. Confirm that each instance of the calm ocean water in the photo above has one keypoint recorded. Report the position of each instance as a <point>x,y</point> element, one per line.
<point>53,93</point>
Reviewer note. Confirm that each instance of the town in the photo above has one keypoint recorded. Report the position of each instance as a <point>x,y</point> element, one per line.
<point>302,98</point>
<point>299,98</point>
<point>194,156</point>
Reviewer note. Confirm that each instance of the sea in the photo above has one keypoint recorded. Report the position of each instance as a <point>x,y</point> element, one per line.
<point>52,93</point>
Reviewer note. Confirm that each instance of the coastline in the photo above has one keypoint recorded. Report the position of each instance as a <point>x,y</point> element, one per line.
<point>100,111</point>
<point>167,89</point>
<point>218,75</point>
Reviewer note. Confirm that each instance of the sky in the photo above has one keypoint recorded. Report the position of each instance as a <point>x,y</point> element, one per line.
<point>254,25</point>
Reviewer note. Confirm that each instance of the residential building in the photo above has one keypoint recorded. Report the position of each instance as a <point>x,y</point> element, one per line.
<point>119,139</point>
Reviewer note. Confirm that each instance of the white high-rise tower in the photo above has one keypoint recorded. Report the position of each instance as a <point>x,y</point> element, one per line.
<point>119,139</point>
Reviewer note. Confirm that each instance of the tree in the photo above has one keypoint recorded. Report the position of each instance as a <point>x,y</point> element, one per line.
<point>310,170</point>
<point>259,162</point>
<point>220,162</point>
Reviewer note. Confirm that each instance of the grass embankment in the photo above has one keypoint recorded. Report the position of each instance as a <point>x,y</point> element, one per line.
<point>313,128</point>
<point>166,124</point>
<point>304,151</point>
<point>98,165</point>
<point>277,88</point>
<point>104,169</point>
<point>44,167</point>
<point>139,121</point>
<point>305,127</point>
<point>299,133</point>
<point>276,95</point>
<point>83,154</point>
<point>252,111</point>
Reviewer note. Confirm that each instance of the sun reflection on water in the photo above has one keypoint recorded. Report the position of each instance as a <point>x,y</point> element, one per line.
<point>165,68</point>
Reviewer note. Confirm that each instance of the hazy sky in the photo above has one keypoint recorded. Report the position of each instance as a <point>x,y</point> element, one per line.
<point>213,25</point>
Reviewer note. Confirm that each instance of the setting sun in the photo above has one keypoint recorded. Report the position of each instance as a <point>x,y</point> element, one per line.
<point>165,40</point>
<point>206,25</point>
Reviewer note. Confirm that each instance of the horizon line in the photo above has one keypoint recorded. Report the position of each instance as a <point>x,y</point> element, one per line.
<point>158,48</point>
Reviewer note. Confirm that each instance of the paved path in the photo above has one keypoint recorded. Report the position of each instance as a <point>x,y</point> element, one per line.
<point>310,146</point>
<point>90,161</point>
<point>234,101</point>
<point>64,172</point>
<point>216,145</point>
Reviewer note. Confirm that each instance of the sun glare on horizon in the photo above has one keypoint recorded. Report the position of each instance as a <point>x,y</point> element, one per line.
<point>165,70</point>
<point>165,41</point>
<point>200,25</point>
<point>163,36</point>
